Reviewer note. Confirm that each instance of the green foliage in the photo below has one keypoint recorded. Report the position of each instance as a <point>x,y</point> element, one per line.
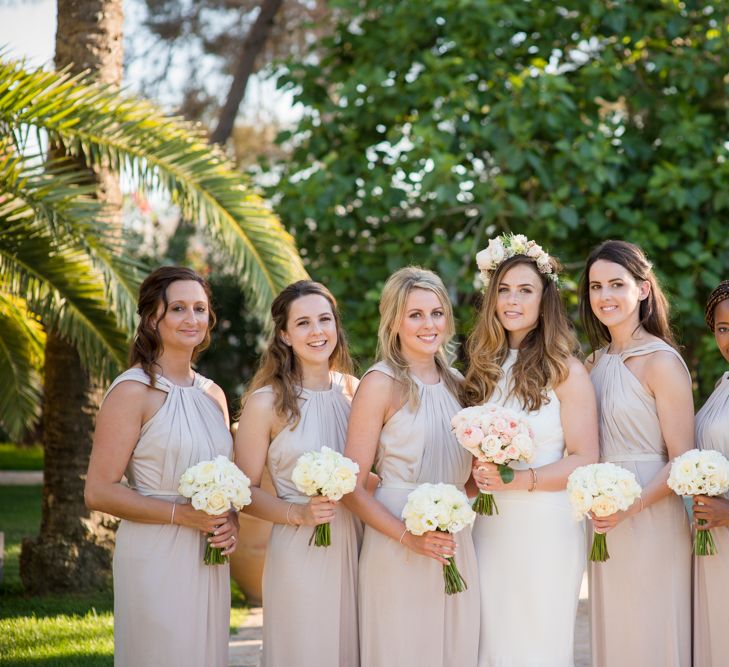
<point>62,256</point>
<point>430,127</point>
<point>63,630</point>
<point>20,457</point>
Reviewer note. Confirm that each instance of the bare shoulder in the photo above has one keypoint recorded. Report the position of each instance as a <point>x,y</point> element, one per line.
<point>218,395</point>
<point>260,403</point>
<point>593,358</point>
<point>131,395</point>
<point>664,366</point>
<point>375,382</point>
<point>577,380</point>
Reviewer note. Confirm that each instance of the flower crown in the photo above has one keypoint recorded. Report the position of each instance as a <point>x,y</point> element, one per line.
<point>506,246</point>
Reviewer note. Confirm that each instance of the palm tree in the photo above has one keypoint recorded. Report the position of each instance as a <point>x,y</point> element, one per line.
<point>64,278</point>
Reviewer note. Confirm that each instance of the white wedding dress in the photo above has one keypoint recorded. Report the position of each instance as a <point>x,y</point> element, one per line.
<point>531,557</point>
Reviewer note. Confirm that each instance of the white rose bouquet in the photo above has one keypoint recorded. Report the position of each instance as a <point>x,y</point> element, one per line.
<point>440,507</point>
<point>495,434</point>
<point>324,473</point>
<point>702,472</point>
<point>214,487</point>
<point>603,489</point>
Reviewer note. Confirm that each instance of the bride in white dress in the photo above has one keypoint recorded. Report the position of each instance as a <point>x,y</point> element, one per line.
<point>531,555</point>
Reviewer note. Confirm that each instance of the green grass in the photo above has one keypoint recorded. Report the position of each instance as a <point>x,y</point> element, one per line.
<point>17,457</point>
<point>58,630</point>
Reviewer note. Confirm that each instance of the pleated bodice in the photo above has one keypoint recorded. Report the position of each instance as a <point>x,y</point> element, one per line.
<point>628,419</point>
<point>712,421</point>
<point>187,429</point>
<point>323,422</point>
<point>417,444</point>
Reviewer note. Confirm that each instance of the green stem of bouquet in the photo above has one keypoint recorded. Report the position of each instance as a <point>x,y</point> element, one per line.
<point>599,552</point>
<point>214,555</point>
<point>704,544</point>
<point>322,535</point>
<point>485,504</point>
<point>454,582</point>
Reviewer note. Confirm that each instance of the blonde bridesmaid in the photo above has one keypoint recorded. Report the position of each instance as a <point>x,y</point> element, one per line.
<point>159,418</point>
<point>299,401</point>
<point>711,573</point>
<point>401,424</point>
<point>640,599</point>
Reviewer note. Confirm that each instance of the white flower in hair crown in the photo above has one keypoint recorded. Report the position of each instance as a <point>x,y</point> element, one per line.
<point>506,246</point>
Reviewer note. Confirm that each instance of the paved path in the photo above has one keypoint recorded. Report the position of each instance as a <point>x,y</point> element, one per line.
<point>246,644</point>
<point>20,477</point>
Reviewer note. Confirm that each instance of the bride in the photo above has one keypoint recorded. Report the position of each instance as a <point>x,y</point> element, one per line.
<point>531,555</point>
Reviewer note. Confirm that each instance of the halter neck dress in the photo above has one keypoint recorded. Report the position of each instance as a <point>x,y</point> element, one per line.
<point>640,599</point>
<point>170,608</point>
<point>309,592</point>
<point>406,619</point>
<point>711,573</point>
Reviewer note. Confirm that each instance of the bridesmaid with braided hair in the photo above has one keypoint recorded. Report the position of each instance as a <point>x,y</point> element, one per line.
<point>711,573</point>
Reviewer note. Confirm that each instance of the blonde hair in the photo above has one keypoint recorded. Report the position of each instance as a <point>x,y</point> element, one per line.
<point>544,353</point>
<point>392,310</point>
<point>279,367</point>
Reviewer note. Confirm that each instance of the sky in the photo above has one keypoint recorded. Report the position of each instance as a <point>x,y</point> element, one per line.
<point>28,30</point>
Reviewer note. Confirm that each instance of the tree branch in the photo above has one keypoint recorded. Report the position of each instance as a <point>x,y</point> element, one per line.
<point>252,46</point>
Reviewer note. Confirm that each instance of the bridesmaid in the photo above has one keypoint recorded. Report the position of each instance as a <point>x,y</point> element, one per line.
<point>299,401</point>
<point>401,423</point>
<point>158,419</point>
<point>711,573</point>
<point>640,599</point>
<point>531,556</point>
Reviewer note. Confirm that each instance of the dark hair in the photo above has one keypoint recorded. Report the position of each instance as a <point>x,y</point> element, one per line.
<point>279,368</point>
<point>720,293</point>
<point>147,345</point>
<point>653,312</point>
<point>542,362</point>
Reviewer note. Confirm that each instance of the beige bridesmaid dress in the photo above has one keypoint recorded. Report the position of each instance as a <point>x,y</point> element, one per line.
<point>406,619</point>
<point>711,573</point>
<point>640,599</point>
<point>309,592</point>
<point>170,608</point>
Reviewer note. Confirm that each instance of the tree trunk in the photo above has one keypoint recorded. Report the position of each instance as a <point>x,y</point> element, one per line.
<point>73,550</point>
<point>252,46</point>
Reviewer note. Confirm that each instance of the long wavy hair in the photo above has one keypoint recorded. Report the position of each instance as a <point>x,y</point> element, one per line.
<point>542,361</point>
<point>147,344</point>
<point>279,367</point>
<point>392,310</point>
<point>653,311</point>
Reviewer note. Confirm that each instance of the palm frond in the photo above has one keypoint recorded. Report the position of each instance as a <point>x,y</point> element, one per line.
<point>61,284</point>
<point>94,122</point>
<point>22,342</point>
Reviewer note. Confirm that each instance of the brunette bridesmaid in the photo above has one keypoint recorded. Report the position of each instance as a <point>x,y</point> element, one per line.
<point>401,424</point>
<point>711,573</point>
<point>640,599</point>
<point>299,401</point>
<point>159,418</point>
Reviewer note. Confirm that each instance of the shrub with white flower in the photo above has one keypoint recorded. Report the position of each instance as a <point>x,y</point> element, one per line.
<point>444,508</point>
<point>495,434</point>
<point>603,489</point>
<point>509,245</point>
<point>215,487</point>
<point>325,473</point>
<point>700,472</point>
